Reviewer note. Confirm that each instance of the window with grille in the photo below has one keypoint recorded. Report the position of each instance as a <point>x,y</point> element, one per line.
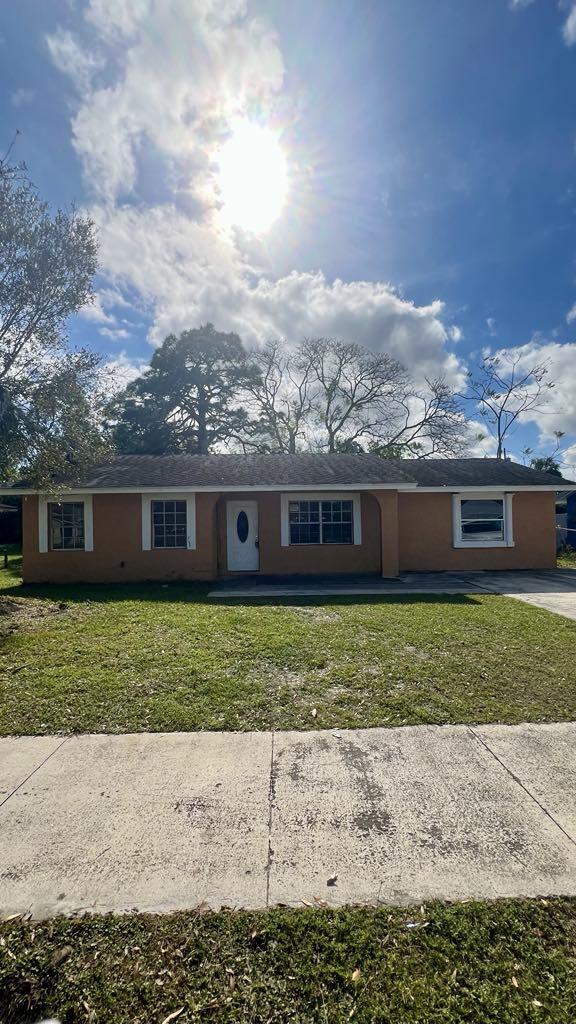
<point>66,525</point>
<point>169,527</point>
<point>321,522</point>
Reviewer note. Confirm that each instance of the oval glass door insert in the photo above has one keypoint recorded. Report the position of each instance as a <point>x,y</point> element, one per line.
<point>242,527</point>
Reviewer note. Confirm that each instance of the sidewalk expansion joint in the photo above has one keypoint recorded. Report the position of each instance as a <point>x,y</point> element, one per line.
<point>33,772</point>
<point>519,782</point>
<point>271,796</point>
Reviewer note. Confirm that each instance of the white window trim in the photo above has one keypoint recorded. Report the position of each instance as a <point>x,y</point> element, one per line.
<point>460,496</point>
<point>285,500</point>
<point>43,525</point>
<point>190,500</point>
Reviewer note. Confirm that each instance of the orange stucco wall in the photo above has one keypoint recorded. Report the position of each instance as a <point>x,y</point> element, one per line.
<point>117,554</point>
<point>425,535</point>
<point>311,558</point>
<point>400,532</point>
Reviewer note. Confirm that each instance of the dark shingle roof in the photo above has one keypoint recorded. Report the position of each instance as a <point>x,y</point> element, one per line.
<point>247,470</point>
<point>310,470</point>
<point>478,473</point>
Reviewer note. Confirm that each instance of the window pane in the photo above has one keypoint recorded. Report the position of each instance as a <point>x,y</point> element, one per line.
<point>337,522</point>
<point>304,533</point>
<point>483,529</point>
<point>169,524</point>
<point>66,523</point>
<point>326,522</point>
<point>482,519</point>
<point>337,533</point>
<point>482,508</point>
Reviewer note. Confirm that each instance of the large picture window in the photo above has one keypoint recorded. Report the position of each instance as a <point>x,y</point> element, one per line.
<point>66,519</point>
<point>321,522</point>
<point>483,520</point>
<point>169,524</point>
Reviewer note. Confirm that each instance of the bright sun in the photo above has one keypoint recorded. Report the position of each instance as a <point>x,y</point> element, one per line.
<point>253,177</point>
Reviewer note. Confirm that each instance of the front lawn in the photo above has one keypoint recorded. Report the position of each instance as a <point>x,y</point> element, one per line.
<point>510,962</point>
<point>161,658</point>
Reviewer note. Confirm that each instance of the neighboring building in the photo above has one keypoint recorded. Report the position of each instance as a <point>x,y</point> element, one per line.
<point>193,517</point>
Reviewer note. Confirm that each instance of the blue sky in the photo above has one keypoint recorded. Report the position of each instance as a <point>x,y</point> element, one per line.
<point>431,151</point>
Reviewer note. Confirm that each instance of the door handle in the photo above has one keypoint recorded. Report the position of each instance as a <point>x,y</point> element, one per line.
<point>256,543</point>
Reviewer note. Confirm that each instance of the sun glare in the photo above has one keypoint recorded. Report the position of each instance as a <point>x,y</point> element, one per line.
<point>253,177</point>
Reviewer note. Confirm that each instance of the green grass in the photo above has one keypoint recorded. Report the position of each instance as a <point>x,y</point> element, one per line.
<point>566,558</point>
<point>510,962</point>
<point>146,657</point>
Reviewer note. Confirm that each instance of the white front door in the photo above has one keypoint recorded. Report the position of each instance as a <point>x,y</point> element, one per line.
<point>242,536</point>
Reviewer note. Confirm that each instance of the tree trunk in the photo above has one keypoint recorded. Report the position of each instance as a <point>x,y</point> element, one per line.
<point>202,428</point>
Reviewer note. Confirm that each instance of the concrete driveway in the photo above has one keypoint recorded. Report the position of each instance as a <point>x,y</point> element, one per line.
<point>553,589</point>
<point>164,821</point>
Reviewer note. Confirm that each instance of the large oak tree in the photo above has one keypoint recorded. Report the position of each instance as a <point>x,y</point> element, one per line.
<point>49,395</point>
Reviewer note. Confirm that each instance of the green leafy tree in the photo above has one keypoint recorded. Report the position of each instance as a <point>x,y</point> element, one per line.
<point>546,464</point>
<point>188,400</point>
<point>49,396</point>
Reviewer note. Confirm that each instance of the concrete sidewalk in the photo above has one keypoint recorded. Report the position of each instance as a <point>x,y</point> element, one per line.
<point>165,821</point>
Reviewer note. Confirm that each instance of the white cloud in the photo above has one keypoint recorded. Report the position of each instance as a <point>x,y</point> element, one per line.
<point>119,372</point>
<point>22,97</point>
<point>567,460</point>
<point>188,66</point>
<point>455,333</point>
<point>571,315</point>
<point>177,73</point>
<point>96,313</point>
<point>193,273</point>
<point>517,5</point>
<point>115,333</point>
<point>482,445</point>
<point>491,325</point>
<point>569,30</point>
<point>69,57</point>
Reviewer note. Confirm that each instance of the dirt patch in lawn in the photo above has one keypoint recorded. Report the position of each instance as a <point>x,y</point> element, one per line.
<point>315,614</point>
<point>15,612</point>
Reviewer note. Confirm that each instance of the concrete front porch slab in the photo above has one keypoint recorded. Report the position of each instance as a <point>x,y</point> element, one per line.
<point>551,589</point>
<point>334,586</point>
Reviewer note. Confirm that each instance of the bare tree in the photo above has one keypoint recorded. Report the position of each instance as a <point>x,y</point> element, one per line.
<point>505,391</point>
<point>280,398</point>
<point>338,396</point>
<point>353,388</point>
<point>425,422</point>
